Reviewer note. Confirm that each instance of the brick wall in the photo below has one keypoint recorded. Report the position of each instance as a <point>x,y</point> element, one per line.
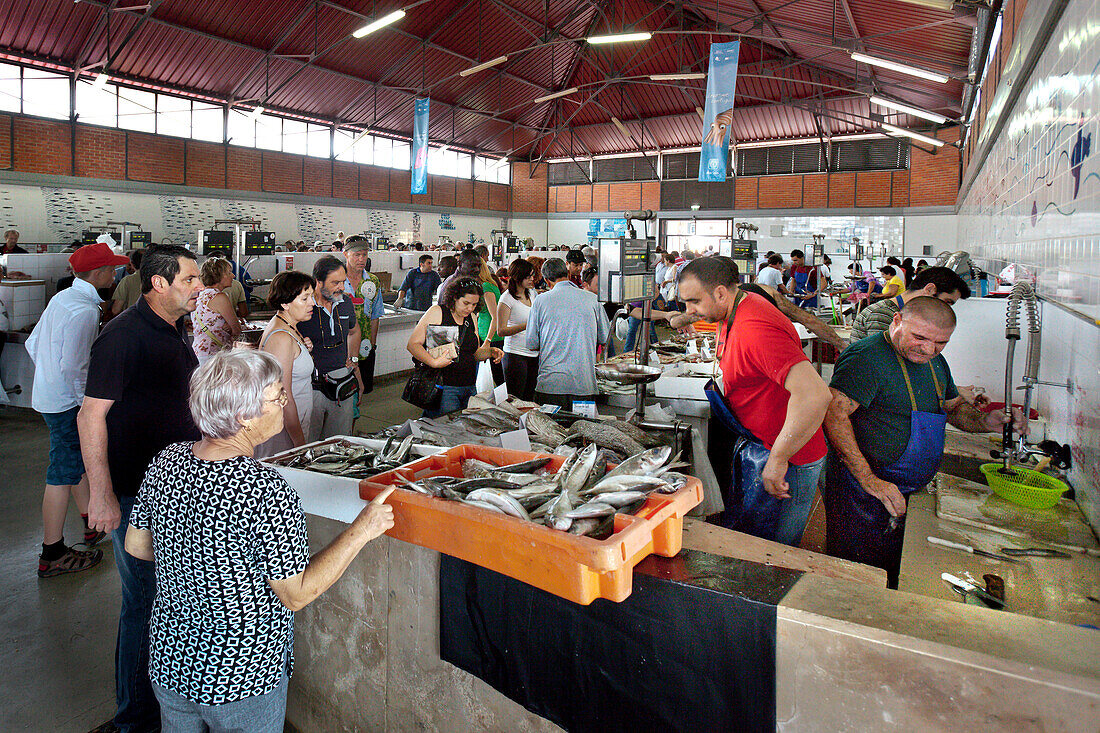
<point>934,179</point>
<point>34,145</point>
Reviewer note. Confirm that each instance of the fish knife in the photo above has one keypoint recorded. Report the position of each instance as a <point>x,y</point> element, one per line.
<point>964,587</point>
<point>967,548</point>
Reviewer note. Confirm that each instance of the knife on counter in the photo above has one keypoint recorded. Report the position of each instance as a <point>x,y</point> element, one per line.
<point>967,548</point>
<point>964,587</point>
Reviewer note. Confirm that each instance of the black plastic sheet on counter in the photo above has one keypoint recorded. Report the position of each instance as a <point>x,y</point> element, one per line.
<point>691,649</point>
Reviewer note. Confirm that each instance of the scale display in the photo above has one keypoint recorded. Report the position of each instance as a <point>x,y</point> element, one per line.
<point>512,246</point>
<point>216,240</point>
<point>743,249</point>
<point>625,271</point>
<point>637,287</point>
<point>381,243</point>
<point>89,236</point>
<point>635,256</point>
<point>140,239</point>
<point>259,243</point>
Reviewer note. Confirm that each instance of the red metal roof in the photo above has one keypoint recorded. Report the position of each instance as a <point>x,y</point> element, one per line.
<point>297,56</point>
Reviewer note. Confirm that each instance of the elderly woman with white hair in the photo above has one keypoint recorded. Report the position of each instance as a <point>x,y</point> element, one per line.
<point>228,537</point>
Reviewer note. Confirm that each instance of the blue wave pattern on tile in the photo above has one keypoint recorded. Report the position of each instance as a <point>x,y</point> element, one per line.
<point>1036,202</point>
<point>316,223</point>
<point>69,212</point>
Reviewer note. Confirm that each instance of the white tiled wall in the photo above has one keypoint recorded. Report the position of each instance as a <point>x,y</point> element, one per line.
<point>22,304</point>
<point>1036,202</point>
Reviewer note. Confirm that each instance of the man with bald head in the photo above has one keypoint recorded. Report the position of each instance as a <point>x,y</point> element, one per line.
<point>892,398</point>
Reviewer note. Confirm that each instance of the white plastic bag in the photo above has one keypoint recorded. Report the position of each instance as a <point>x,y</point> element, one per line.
<point>484,381</point>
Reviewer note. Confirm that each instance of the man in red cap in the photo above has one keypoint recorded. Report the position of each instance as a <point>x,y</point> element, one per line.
<point>60,346</point>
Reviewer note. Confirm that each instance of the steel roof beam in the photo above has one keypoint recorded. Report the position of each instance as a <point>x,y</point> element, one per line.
<point>309,6</point>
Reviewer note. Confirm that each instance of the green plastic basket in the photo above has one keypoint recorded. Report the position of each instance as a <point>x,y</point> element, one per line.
<point>1025,487</point>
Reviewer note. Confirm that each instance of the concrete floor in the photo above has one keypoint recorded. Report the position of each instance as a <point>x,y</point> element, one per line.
<point>57,635</point>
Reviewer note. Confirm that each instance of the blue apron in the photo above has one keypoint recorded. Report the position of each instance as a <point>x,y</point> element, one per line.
<point>738,458</point>
<point>801,286</point>
<point>858,526</point>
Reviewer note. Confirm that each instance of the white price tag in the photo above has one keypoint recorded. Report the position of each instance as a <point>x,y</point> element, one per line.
<point>707,353</point>
<point>500,394</point>
<point>584,407</point>
<point>549,409</point>
<point>692,347</point>
<point>516,440</point>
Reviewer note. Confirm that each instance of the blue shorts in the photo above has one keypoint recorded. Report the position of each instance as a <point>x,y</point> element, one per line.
<point>66,464</point>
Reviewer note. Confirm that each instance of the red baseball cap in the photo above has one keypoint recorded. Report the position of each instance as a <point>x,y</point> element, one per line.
<point>93,256</point>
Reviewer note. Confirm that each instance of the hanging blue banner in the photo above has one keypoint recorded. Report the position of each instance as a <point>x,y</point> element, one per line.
<point>718,116</point>
<point>420,147</point>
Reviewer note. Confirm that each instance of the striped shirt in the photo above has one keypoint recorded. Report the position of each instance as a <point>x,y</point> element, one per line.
<point>874,319</point>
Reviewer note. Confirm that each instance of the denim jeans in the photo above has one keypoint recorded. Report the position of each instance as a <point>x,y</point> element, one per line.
<point>632,333</point>
<point>264,713</point>
<point>795,511</point>
<point>454,398</point>
<point>138,710</point>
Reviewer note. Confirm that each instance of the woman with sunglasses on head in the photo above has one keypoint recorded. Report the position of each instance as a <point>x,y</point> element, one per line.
<point>452,322</point>
<point>291,297</point>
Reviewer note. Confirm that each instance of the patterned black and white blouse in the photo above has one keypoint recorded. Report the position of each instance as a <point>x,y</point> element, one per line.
<point>221,530</point>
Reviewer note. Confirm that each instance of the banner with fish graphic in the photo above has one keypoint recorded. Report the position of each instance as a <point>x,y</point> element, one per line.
<point>718,116</point>
<point>420,147</point>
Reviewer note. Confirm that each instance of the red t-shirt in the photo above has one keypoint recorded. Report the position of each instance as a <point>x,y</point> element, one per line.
<point>761,349</point>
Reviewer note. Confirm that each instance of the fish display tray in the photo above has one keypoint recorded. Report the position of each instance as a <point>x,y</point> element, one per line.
<point>577,568</point>
<point>317,483</point>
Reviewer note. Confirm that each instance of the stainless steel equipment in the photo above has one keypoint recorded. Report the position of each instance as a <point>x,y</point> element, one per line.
<point>1021,293</point>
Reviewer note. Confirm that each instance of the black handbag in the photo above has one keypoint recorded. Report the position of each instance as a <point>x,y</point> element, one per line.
<point>422,389</point>
<point>336,389</point>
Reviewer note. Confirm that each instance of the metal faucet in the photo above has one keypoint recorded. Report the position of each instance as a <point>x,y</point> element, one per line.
<point>1021,293</point>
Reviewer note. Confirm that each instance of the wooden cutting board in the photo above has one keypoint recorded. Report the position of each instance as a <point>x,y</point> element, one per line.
<point>1063,525</point>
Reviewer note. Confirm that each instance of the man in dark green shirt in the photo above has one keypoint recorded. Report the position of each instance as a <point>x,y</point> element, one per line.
<point>892,397</point>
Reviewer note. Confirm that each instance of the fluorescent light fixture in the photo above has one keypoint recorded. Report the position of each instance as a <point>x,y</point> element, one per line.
<point>945,5</point>
<point>901,68</point>
<point>382,22</point>
<point>482,67</point>
<point>905,108</point>
<point>101,80</point>
<point>555,95</point>
<point>699,111</point>
<point>915,135</point>
<point>621,37</point>
<point>695,207</point>
<point>256,112</point>
<point>622,128</point>
<point>678,77</point>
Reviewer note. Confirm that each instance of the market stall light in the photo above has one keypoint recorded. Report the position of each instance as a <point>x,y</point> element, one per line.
<point>622,128</point>
<point>906,109</point>
<point>256,112</point>
<point>621,37</point>
<point>101,80</point>
<point>699,111</point>
<point>678,77</point>
<point>382,22</point>
<point>482,67</point>
<point>555,95</point>
<point>915,135</point>
<point>900,68</point>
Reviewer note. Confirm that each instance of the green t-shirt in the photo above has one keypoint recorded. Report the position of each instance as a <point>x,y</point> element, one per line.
<point>484,317</point>
<point>128,290</point>
<point>868,372</point>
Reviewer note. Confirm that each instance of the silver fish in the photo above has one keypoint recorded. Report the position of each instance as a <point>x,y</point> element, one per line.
<point>642,463</point>
<point>580,470</point>
<point>676,480</point>
<point>500,499</point>
<point>483,505</point>
<point>557,511</point>
<point>484,482</point>
<point>474,468</point>
<point>526,466</point>
<point>605,437</point>
<point>591,509</point>
<point>585,526</point>
<point>629,483</point>
<point>619,499</point>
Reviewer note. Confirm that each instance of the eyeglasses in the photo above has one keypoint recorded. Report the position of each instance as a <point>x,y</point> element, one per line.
<point>281,399</point>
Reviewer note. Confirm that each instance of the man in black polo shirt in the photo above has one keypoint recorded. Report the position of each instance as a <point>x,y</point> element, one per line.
<point>334,331</point>
<point>135,405</point>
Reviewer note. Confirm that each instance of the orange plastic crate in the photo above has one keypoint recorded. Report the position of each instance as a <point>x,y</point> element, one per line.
<point>580,569</point>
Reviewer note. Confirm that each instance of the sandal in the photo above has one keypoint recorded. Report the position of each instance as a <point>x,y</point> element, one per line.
<point>93,538</point>
<point>73,561</point>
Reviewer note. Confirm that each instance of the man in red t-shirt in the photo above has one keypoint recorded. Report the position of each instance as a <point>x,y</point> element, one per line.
<point>770,387</point>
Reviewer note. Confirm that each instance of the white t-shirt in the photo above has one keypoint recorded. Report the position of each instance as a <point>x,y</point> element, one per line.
<point>770,276</point>
<point>517,343</point>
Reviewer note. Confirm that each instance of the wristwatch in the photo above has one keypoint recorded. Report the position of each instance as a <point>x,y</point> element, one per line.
<point>355,360</point>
